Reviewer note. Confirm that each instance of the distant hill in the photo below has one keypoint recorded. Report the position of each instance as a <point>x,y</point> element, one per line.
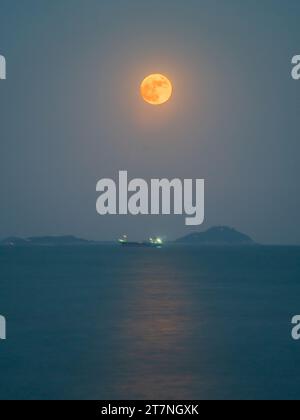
<point>46,241</point>
<point>220,235</point>
<point>14,241</point>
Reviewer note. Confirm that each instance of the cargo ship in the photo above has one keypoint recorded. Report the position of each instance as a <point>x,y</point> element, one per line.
<point>155,242</point>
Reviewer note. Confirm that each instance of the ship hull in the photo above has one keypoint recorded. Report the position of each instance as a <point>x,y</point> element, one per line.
<point>140,245</point>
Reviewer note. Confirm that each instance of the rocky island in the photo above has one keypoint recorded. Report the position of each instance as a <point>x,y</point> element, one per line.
<point>220,235</point>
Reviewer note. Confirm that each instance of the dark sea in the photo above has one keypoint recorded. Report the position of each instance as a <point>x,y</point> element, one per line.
<point>182,322</point>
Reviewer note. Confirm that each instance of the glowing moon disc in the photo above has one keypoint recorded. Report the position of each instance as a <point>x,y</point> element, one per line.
<point>156,89</point>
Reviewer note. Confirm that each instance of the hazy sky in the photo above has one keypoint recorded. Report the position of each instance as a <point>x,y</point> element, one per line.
<point>70,112</point>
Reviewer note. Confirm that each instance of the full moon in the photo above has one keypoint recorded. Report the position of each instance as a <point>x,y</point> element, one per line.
<point>156,89</point>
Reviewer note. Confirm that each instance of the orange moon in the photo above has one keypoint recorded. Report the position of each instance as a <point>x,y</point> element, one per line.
<point>156,89</point>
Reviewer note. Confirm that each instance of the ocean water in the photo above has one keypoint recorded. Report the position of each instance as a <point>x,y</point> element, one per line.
<point>182,322</point>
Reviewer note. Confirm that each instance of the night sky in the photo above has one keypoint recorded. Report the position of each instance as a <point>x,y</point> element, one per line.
<point>71,113</point>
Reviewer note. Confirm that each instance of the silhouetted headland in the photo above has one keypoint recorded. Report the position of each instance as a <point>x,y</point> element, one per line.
<point>46,241</point>
<point>220,235</point>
